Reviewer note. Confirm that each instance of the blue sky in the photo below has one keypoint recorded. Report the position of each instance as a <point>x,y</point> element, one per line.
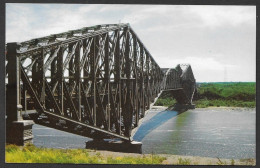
<point>213,39</point>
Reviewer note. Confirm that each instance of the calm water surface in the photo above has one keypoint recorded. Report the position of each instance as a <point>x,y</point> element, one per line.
<point>209,132</point>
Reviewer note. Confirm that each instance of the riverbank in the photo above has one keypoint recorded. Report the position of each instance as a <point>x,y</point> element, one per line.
<point>228,108</point>
<point>229,94</point>
<point>204,103</point>
<point>32,154</point>
<point>180,159</point>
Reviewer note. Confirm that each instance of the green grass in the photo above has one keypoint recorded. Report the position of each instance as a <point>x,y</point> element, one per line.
<point>184,161</point>
<point>166,99</point>
<point>202,103</point>
<point>165,102</point>
<point>229,94</point>
<point>244,91</point>
<point>32,154</point>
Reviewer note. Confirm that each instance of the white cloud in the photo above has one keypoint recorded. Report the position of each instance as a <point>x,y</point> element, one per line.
<point>217,15</point>
<point>202,63</point>
<point>172,34</point>
<point>18,20</point>
<point>208,69</point>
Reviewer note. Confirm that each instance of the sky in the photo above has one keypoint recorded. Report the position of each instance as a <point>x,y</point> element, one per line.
<point>219,42</point>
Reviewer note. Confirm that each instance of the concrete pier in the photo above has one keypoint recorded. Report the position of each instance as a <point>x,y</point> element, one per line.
<point>183,107</point>
<point>115,145</point>
<point>19,132</point>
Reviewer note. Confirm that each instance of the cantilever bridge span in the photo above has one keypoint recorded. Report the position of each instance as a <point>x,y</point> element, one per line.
<point>96,82</point>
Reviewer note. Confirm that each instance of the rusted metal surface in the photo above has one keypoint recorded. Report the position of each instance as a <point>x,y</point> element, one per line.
<point>96,81</point>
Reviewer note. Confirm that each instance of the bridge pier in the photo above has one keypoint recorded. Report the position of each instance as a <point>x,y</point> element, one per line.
<point>183,107</point>
<point>115,145</point>
<point>18,131</point>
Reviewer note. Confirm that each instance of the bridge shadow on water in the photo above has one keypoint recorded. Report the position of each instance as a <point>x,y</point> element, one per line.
<point>156,121</point>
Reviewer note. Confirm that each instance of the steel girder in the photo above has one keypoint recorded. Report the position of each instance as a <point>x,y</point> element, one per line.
<point>96,81</point>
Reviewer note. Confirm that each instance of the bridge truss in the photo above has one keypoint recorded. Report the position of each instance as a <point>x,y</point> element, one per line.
<point>96,81</point>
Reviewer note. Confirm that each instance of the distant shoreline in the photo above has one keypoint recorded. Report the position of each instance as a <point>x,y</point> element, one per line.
<point>218,94</point>
<point>224,107</point>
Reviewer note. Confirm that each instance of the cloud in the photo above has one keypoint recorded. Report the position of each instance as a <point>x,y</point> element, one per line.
<point>202,63</point>
<point>213,16</point>
<point>17,20</point>
<point>211,38</point>
<point>31,21</point>
<point>209,69</point>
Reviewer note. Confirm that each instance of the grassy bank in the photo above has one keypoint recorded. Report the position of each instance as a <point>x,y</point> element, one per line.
<point>168,101</point>
<point>202,103</point>
<point>32,154</point>
<point>230,94</point>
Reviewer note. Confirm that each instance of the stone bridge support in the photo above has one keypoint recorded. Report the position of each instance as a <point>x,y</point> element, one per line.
<point>18,131</point>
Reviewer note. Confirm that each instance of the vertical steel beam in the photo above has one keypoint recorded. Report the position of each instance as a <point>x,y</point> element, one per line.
<point>42,77</point>
<point>93,77</point>
<point>107,80</point>
<point>85,66</point>
<point>135,89</point>
<point>147,75</point>
<point>118,78</point>
<point>24,94</point>
<point>53,74</point>
<point>85,81</point>
<point>71,67</point>
<point>128,110</point>
<point>38,76</point>
<point>142,89</point>
<point>77,77</point>
<point>53,71</point>
<point>60,79</point>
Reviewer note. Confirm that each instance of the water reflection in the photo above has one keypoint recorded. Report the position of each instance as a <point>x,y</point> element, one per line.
<point>153,123</point>
<point>222,133</point>
<point>210,132</point>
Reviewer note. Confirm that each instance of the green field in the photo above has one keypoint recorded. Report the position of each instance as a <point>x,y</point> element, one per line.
<point>229,94</point>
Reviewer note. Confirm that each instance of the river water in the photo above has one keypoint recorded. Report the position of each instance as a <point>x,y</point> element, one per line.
<point>209,132</point>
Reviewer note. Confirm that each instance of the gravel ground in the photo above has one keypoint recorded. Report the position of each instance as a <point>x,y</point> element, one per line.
<point>175,159</point>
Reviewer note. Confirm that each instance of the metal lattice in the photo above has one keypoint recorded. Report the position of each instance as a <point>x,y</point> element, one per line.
<point>96,81</point>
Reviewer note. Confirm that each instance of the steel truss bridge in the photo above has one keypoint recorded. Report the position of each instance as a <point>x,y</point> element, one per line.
<point>96,81</point>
